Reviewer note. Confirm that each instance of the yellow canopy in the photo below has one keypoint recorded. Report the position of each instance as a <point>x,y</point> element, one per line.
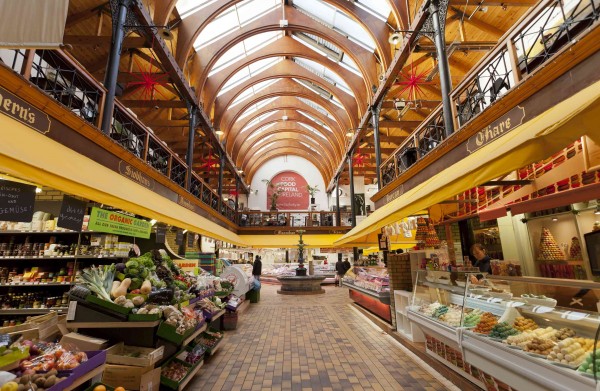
<point>289,241</point>
<point>30,155</point>
<point>531,142</point>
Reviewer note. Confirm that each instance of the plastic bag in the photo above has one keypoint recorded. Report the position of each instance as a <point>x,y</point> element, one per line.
<point>256,286</point>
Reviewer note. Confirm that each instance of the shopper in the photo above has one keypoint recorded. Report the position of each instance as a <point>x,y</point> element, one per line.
<point>339,272</point>
<point>347,265</point>
<point>482,261</point>
<point>257,268</point>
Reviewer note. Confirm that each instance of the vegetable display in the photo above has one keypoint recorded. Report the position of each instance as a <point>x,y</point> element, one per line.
<point>99,279</point>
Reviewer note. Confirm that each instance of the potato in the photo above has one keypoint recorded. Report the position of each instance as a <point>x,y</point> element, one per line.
<point>50,381</point>
<point>22,387</point>
<point>25,379</point>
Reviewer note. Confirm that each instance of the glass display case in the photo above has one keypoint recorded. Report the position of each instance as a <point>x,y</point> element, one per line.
<point>369,287</point>
<point>523,332</point>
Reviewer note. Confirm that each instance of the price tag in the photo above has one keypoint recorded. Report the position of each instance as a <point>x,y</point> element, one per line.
<point>574,315</point>
<point>71,310</point>
<point>540,309</point>
<point>494,300</point>
<point>514,303</point>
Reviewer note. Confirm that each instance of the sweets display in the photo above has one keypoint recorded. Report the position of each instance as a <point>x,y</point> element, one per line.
<point>587,365</point>
<point>439,311</point>
<point>571,351</point>
<point>502,331</point>
<point>521,340</point>
<point>575,248</point>
<point>564,333</point>
<point>541,346</point>
<point>486,323</point>
<point>549,250</point>
<point>452,317</point>
<point>472,318</point>
<point>524,324</point>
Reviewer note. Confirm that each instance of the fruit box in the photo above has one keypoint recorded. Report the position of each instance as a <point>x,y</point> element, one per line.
<point>96,384</point>
<point>143,317</point>
<point>107,304</point>
<point>95,359</point>
<point>167,332</point>
<point>131,377</point>
<point>172,384</point>
<point>122,354</point>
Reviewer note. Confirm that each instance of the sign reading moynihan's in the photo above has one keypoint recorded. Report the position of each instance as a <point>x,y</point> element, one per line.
<point>135,175</point>
<point>19,110</point>
<point>496,129</point>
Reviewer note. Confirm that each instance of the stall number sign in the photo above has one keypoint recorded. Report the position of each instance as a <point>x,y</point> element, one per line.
<point>117,223</point>
<point>16,201</point>
<point>71,214</point>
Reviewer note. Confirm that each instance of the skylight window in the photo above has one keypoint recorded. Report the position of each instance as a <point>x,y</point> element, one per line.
<point>188,7</point>
<point>254,108</point>
<point>233,19</point>
<point>262,140</point>
<point>327,49</point>
<point>312,130</point>
<point>248,72</point>
<point>243,49</point>
<point>337,20</point>
<point>325,73</point>
<point>263,148</point>
<point>253,90</point>
<point>316,106</point>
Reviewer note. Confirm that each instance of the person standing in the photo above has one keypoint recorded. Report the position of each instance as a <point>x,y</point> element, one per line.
<point>339,272</point>
<point>257,268</point>
<point>482,260</point>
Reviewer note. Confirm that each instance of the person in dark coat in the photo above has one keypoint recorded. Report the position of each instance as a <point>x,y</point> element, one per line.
<point>339,272</point>
<point>257,268</point>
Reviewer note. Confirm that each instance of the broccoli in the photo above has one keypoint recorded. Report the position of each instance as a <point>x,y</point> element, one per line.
<point>132,264</point>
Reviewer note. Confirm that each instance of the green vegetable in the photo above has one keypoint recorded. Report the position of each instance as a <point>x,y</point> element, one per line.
<point>136,283</point>
<point>132,264</point>
<point>132,271</point>
<point>99,280</point>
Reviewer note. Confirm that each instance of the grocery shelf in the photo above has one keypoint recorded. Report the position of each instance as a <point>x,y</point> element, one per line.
<point>42,232</point>
<point>111,325</point>
<point>217,315</point>
<point>190,376</point>
<point>32,311</point>
<point>18,284</point>
<point>195,334</point>
<point>84,378</point>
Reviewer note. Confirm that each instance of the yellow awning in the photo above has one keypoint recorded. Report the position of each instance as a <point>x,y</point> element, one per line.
<point>27,154</point>
<point>289,241</point>
<point>404,246</point>
<point>531,142</point>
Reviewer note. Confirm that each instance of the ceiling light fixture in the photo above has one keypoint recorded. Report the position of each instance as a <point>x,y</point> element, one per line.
<point>38,189</point>
<point>555,219</point>
<point>285,118</point>
<point>152,222</point>
<point>395,38</point>
<point>349,133</point>
<point>219,132</point>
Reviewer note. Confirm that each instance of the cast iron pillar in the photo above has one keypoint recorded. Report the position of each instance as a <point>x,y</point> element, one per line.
<point>338,215</point>
<point>237,190</point>
<point>221,169</point>
<point>375,110</point>
<point>439,31</point>
<point>190,147</point>
<point>351,175</point>
<point>112,71</point>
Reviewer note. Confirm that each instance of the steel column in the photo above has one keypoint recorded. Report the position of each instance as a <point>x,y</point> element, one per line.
<point>190,147</point>
<point>112,71</point>
<point>221,169</point>
<point>351,175</point>
<point>375,110</point>
<point>338,215</point>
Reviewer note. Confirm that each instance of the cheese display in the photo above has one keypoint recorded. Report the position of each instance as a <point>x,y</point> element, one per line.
<point>549,250</point>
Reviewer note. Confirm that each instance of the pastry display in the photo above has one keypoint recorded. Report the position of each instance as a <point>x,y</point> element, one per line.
<point>524,324</point>
<point>549,250</point>
<point>502,331</point>
<point>452,318</point>
<point>569,352</point>
<point>472,318</point>
<point>542,346</point>
<point>587,365</point>
<point>439,311</point>
<point>422,228</point>
<point>521,340</point>
<point>486,323</point>
<point>428,309</point>
<point>432,239</point>
<point>564,333</point>
<point>575,248</point>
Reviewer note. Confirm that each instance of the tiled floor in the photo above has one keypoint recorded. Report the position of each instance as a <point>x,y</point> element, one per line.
<point>310,343</point>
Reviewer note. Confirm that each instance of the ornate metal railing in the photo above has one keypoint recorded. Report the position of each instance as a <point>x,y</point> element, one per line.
<point>545,31</point>
<point>63,79</point>
<point>293,219</point>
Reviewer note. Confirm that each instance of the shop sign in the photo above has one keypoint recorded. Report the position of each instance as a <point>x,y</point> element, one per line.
<point>102,220</point>
<point>293,192</point>
<point>16,201</point>
<point>71,213</point>
<point>135,175</point>
<point>186,203</point>
<point>19,110</point>
<point>187,265</point>
<point>395,194</point>
<point>496,129</point>
<point>161,235</point>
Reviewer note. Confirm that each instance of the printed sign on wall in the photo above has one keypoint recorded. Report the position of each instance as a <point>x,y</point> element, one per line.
<point>293,192</point>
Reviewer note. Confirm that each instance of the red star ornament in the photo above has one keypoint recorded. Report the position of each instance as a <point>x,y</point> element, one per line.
<point>359,159</point>
<point>413,81</point>
<point>233,193</point>
<point>147,81</point>
<point>209,163</point>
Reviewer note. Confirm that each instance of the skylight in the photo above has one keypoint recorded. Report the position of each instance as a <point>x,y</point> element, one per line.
<point>312,130</point>
<point>257,120</point>
<point>315,120</point>
<point>337,20</point>
<point>260,130</point>
<point>378,8</point>
<point>248,72</point>
<point>253,90</point>
<point>324,72</point>
<point>243,49</point>
<point>263,148</point>
<point>188,7</point>
<point>327,49</point>
<point>262,140</point>
<point>255,107</point>
<point>233,19</point>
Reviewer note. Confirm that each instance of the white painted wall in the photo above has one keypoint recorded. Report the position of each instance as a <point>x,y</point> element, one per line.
<point>286,163</point>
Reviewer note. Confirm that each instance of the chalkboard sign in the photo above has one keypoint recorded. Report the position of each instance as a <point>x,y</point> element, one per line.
<point>179,238</point>
<point>190,239</point>
<point>161,235</point>
<point>71,214</point>
<point>16,201</point>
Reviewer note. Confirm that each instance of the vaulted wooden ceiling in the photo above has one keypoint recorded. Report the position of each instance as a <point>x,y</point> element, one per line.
<point>295,89</point>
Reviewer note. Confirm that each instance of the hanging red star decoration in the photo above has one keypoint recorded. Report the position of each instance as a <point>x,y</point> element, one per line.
<point>413,81</point>
<point>147,80</point>
<point>233,193</point>
<point>209,163</point>
<point>359,158</point>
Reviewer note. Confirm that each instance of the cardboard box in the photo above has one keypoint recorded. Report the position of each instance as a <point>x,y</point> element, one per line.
<point>83,342</point>
<point>132,378</point>
<point>117,354</point>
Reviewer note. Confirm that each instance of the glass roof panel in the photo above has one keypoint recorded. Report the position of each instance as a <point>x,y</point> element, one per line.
<point>233,19</point>
<point>336,19</point>
<point>255,107</point>
<point>255,89</point>
<point>188,7</point>
<point>324,72</point>
<point>378,8</point>
<point>249,71</point>
<point>259,130</point>
<point>245,48</point>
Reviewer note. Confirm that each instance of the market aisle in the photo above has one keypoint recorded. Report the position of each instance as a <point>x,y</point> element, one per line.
<point>310,343</point>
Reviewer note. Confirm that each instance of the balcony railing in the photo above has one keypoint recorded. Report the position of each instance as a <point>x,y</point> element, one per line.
<point>540,35</point>
<point>62,78</point>
<point>293,219</point>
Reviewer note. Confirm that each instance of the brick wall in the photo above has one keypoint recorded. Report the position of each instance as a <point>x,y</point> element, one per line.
<point>49,194</point>
<point>400,277</point>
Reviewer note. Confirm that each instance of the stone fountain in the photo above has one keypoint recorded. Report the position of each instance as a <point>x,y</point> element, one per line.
<point>301,284</point>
